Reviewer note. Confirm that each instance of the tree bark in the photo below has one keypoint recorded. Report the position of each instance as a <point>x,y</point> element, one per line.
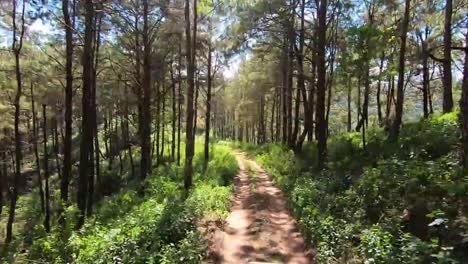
<point>189,147</point>
<point>86,120</point>
<point>3,177</point>
<point>321,83</point>
<point>67,147</point>
<point>301,79</point>
<point>464,107</point>
<point>46,170</point>
<point>349,104</point>
<point>163,124</point>
<point>426,79</point>
<point>145,137</point>
<point>16,48</point>
<point>36,150</point>
<point>174,115</point>
<point>179,100</point>
<point>96,175</point>
<point>208,106</point>
<point>447,62</point>
<point>284,94</point>
<point>396,125</point>
<point>379,87</point>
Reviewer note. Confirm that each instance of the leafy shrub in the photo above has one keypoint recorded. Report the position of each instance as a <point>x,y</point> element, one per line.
<point>206,199</point>
<point>376,245</point>
<point>361,208</point>
<point>188,250</point>
<point>158,227</point>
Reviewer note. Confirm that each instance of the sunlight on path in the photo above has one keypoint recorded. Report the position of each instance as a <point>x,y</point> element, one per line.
<point>260,228</point>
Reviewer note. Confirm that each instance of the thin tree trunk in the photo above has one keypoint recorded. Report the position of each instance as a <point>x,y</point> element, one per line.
<point>145,139</point>
<point>189,147</point>
<point>67,148</point>
<point>97,151</point>
<point>349,121</point>
<point>16,47</point>
<point>36,150</point>
<point>292,131</point>
<point>396,125</point>
<point>158,125</point>
<point>464,107</point>
<point>312,92</point>
<point>46,171</point>
<point>195,106</point>
<point>86,120</point>
<point>127,133</point>
<point>301,79</point>
<point>321,83</point>
<point>179,98</point>
<point>3,177</point>
<point>208,107</point>
<point>390,94</point>
<point>174,115</point>
<point>379,87</point>
<point>447,62</point>
<point>272,123</point>
<point>426,80</point>
<point>284,72</point>
<point>163,124</point>
<point>56,147</point>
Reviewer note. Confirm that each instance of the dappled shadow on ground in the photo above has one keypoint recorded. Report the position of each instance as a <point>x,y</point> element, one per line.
<point>260,227</point>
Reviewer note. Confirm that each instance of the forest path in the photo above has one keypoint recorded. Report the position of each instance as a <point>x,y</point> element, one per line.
<point>260,228</point>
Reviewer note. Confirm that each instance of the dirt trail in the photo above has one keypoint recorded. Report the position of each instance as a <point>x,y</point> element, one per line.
<point>260,228</point>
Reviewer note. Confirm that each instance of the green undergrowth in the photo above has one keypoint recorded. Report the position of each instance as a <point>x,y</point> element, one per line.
<point>388,203</point>
<point>159,226</point>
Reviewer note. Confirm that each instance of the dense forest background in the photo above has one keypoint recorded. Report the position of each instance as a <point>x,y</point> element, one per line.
<point>119,120</point>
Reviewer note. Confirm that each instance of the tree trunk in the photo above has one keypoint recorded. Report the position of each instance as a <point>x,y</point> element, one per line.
<point>97,151</point>
<point>301,79</point>
<point>174,115</point>
<point>464,106</point>
<point>163,124</point>
<point>272,123</point>
<point>36,150</point>
<point>86,120</point>
<point>46,171</point>
<point>195,106</point>
<point>426,80</point>
<point>284,94</point>
<point>67,148</point>
<point>158,125</point>
<point>447,62</point>
<point>127,133</point>
<point>396,125</point>
<point>379,87</point>
<point>145,131</point>
<point>56,144</point>
<point>3,177</point>
<point>208,107</point>
<point>16,47</point>
<point>189,146</point>
<point>390,95</point>
<point>321,83</point>
<point>349,121</point>
<point>179,99</point>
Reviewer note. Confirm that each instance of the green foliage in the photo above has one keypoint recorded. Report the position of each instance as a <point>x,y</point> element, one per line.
<point>358,210</point>
<point>189,250</point>
<point>157,227</point>
<point>376,245</point>
<point>212,200</point>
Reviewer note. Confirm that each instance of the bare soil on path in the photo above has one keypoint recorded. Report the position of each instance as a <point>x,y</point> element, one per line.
<point>260,228</point>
